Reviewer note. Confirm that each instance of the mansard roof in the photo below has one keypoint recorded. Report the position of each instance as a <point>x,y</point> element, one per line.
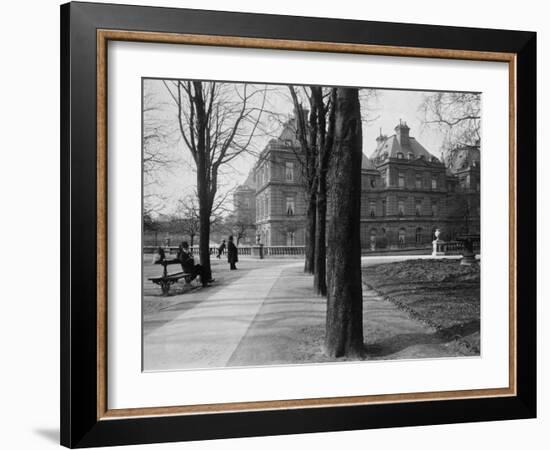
<point>367,164</point>
<point>248,183</point>
<point>391,146</point>
<point>398,145</point>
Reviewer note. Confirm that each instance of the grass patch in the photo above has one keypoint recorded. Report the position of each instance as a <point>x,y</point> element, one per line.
<point>438,292</point>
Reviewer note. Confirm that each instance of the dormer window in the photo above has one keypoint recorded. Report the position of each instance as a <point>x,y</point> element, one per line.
<point>411,155</point>
<point>421,157</point>
<point>400,155</point>
<point>435,160</point>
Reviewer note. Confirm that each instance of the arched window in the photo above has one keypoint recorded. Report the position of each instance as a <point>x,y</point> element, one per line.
<point>373,238</point>
<point>401,237</point>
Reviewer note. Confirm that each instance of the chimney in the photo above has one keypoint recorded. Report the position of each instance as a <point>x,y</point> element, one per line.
<point>402,133</point>
<point>381,138</point>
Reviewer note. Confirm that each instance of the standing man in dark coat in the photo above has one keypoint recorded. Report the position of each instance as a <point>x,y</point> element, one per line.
<point>232,254</point>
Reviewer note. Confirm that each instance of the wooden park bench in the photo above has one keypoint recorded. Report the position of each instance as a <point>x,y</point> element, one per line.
<point>167,280</point>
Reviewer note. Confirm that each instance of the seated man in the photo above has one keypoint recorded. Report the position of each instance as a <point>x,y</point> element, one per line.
<point>188,263</point>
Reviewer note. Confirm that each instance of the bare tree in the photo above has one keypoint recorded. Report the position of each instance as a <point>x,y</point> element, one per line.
<point>316,140</point>
<point>157,138</point>
<point>217,122</point>
<point>344,321</point>
<point>241,222</point>
<point>307,158</point>
<point>187,217</point>
<point>456,114</point>
<point>325,139</point>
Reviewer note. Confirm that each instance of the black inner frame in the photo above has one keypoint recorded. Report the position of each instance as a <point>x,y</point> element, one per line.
<point>79,424</point>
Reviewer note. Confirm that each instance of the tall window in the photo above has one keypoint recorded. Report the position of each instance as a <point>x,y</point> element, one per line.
<point>246,202</point>
<point>418,207</point>
<point>289,171</point>
<point>266,206</point>
<point>418,181</point>
<point>290,206</point>
<point>383,207</point>
<point>290,238</point>
<point>434,208</point>
<point>401,179</point>
<point>434,182</point>
<point>372,208</point>
<point>418,236</point>
<point>401,207</point>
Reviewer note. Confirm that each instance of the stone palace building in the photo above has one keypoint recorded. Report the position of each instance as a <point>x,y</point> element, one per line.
<point>407,193</point>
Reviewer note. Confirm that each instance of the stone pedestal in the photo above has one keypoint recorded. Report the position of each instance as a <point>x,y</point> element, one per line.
<point>258,251</point>
<point>437,245</point>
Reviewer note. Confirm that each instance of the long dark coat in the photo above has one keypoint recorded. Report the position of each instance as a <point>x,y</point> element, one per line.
<point>232,253</point>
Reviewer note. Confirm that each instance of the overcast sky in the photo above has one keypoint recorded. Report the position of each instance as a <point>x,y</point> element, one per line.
<point>383,112</point>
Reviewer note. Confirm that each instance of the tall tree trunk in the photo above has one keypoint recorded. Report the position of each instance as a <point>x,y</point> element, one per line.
<point>319,278</point>
<point>204,218</point>
<point>325,142</point>
<point>204,245</point>
<point>344,324</point>
<point>310,235</point>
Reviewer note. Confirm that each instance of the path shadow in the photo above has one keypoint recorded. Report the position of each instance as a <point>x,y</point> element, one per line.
<point>397,343</point>
<point>400,342</point>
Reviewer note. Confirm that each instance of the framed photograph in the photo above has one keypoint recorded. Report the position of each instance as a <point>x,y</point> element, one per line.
<point>277,225</point>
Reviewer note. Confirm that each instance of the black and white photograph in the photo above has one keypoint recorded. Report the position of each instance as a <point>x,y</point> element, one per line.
<point>306,224</point>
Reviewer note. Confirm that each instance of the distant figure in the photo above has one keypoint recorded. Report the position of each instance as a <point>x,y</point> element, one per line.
<point>221,249</point>
<point>159,255</point>
<point>188,263</point>
<point>232,254</point>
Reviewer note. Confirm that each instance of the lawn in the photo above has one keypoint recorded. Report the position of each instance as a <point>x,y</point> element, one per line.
<point>439,292</point>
